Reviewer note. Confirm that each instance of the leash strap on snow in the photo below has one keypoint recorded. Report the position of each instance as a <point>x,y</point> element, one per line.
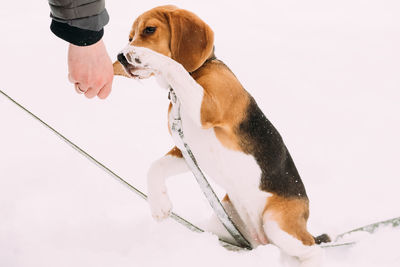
<point>371,228</point>
<point>174,216</point>
<point>179,139</point>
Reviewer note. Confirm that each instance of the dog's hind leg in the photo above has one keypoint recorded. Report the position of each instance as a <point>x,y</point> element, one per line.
<point>214,225</point>
<point>169,165</point>
<point>284,222</point>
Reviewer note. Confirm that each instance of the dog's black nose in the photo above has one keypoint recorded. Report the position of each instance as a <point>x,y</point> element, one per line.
<point>122,59</point>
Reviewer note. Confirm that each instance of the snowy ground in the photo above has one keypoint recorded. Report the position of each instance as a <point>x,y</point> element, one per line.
<point>325,73</point>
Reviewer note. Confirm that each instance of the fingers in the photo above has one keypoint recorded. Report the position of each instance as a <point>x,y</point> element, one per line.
<point>102,90</point>
<point>90,70</point>
<point>91,92</point>
<point>80,89</point>
<point>105,91</point>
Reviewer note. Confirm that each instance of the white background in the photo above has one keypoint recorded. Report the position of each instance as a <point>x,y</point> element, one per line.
<point>326,73</point>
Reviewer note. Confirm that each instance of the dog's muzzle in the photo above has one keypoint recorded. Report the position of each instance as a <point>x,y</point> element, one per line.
<point>132,66</point>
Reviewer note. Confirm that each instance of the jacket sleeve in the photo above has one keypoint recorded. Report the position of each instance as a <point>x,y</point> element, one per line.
<point>79,22</point>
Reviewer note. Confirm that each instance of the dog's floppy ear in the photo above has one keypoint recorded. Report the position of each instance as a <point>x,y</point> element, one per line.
<point>192,40</point>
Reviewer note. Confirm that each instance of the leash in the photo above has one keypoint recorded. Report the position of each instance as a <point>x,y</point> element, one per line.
<point>139,193</point>
<point>371,228</point>
<point>178,136</point>
<point>179,139</point>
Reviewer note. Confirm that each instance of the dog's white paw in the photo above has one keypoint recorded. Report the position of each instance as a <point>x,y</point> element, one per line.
<point>145,58</point>
<point>160,205</point>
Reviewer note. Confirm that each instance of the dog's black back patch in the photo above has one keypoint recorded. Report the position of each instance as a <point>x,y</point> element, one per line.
<point>260,138</point>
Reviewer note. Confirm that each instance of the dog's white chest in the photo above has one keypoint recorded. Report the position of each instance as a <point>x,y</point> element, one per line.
<point>236,172</point>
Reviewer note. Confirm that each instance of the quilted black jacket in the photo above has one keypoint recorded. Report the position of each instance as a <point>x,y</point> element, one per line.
<point>79,22</point>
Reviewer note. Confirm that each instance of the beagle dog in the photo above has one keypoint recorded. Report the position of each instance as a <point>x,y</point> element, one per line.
<point>232,140</point>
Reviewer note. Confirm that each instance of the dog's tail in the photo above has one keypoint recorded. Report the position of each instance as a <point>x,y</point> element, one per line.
<point>324,238</point>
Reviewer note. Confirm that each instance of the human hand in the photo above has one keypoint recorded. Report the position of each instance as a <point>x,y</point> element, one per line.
<point>90,69</point>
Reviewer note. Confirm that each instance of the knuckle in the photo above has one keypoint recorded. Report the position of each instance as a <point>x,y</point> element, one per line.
<point>97,85</point>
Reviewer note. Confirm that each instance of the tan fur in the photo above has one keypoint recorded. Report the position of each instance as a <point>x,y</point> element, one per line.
<point>225,101</point>
<point>119,69</point>
<point>226,198</point>
<point>291,216</point>
<point>175,152</point>
<point>186,27</point>
<point>174,26</point>
<point>160,40</point>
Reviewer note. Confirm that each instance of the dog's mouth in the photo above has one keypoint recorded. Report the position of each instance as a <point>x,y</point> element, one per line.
<point>134,72</point>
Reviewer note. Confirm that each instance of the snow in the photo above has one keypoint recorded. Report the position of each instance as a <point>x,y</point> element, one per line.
<point>325,73</point>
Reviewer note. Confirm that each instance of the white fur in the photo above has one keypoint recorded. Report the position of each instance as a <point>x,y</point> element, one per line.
<point>158,199</point>
<point>309,256</point>
<point>238,173</point>
<point>189,92</point>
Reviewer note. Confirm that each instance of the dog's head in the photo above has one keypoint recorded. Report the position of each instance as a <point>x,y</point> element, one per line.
<point>173,32</point>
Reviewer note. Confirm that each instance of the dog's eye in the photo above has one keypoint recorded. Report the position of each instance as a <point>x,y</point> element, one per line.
<point>149,30</point>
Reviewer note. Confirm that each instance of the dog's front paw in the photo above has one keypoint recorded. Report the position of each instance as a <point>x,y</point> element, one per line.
<point>160,205</point>
<point>145,58</point>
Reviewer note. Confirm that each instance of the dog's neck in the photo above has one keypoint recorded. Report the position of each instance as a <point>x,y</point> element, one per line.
<point>163,83</point>
<point>210,58</point>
